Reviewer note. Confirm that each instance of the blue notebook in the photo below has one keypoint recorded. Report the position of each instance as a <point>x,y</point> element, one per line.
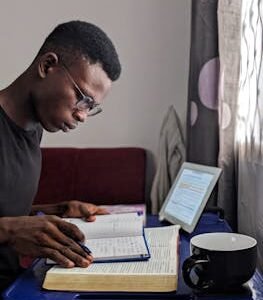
<point>114,237</point>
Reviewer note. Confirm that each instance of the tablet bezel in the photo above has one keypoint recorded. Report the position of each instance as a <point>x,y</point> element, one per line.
<point>163,215</point>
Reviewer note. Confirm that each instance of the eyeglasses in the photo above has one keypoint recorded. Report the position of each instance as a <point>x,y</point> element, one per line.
<point>84,103</point>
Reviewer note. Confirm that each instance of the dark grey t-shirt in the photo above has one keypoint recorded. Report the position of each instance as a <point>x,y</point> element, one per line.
<point>20,166</point>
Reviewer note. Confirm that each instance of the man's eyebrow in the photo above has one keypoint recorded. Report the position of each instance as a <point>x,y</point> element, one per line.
<point>83,92</point>
<point>77,87</point>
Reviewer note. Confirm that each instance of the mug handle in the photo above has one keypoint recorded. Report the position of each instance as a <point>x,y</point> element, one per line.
<point>189,264</point>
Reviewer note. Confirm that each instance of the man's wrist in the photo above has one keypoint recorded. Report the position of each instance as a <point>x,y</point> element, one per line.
<point>5,230</point>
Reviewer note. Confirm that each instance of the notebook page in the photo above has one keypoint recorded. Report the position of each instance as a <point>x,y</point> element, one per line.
<point>106,226</point>
<point>119,247</point>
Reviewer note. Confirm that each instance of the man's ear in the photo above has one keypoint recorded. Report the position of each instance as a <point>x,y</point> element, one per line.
<point>47,61</point>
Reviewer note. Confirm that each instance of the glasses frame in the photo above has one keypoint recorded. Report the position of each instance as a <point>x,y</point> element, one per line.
<point>86,103</point>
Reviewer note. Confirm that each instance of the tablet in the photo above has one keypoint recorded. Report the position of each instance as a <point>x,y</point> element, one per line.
<point>189,194</point>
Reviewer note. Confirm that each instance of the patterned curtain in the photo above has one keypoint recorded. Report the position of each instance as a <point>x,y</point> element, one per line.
<point>202,123</point>
<point>249,132</point>
<point>239,147</point>
<point>213,90</point>
<point>241,120</point>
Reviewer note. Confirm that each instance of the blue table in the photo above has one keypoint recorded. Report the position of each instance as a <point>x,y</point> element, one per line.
<point>28,285</point>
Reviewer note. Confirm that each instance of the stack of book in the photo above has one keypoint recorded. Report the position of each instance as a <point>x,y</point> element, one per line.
<point>127,257</point>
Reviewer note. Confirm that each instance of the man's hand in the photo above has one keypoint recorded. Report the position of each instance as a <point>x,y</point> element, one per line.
<point>45,236</point>
<point>78,209</point>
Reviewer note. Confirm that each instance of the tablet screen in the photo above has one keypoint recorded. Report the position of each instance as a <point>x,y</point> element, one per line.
<point>189,194</point>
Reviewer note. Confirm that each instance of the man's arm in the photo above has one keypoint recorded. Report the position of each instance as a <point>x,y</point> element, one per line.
<point>72,209</point>
<point>57,209</point>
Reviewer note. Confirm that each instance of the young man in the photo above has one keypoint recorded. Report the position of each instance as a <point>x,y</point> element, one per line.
<point>65,84</point>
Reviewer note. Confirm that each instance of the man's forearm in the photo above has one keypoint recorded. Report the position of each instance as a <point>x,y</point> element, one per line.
<point>49,209</point>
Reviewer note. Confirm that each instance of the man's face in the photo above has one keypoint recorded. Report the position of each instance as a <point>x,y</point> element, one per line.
<point>62,88</point>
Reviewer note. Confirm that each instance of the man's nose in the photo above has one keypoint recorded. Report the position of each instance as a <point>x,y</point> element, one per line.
<point>80,115</point>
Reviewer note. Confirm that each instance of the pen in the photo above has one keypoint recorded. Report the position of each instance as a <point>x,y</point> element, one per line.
<point>84,247</point>
<point>40,213</point>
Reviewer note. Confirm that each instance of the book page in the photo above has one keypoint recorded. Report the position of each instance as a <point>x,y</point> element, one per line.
<point>106,226</point>
<point>127,208</point>
<point>124,208</point>
<point>125,216</point>
<point>163,246</point>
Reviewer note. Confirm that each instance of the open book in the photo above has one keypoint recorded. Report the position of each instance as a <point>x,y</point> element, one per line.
<point>114,237</point>
<point>158,274</point>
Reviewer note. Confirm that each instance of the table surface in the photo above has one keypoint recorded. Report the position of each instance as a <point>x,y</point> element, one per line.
<point>28,285</point>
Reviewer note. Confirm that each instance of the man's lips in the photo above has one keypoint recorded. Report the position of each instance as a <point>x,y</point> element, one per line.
<point>68,127</point>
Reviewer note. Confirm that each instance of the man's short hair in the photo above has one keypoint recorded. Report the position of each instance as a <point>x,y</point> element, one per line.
<point>77,38</point>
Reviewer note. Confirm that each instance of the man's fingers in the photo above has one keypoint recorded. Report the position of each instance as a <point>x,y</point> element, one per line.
<point>55,239</point>
<point>89,211</point>
<point>66,258</point>
<point>102,211</point>
<point>63,250</point>
<point>91,218</point>
<point>80,209</point>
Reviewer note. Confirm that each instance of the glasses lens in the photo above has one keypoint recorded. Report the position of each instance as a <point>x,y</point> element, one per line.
<point>90,106</point>
<point>96,110</point>
<point>85,104</point>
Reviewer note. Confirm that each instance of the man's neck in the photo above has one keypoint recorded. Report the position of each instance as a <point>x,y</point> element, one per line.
<point>15,101</point>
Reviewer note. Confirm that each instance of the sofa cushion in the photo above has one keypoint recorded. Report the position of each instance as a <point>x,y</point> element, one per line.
<point>97,175</point>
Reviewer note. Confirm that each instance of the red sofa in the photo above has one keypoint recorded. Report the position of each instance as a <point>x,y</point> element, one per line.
<point>97,175</point>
